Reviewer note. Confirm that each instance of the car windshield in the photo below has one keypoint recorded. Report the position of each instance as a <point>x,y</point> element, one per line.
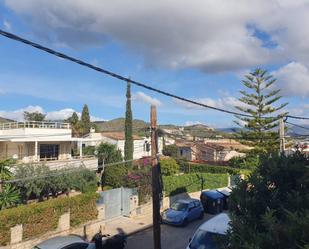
<point>207,240</point>
<point>178,206</point>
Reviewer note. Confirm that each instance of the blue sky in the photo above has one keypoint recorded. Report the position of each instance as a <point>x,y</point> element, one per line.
<point>202,56</point>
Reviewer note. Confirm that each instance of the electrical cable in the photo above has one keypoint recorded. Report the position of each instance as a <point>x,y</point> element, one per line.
<point>296,125</point>
<point>117,76</point>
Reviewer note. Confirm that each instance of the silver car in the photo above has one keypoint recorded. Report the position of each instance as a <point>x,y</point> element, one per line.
<point>65,242</point>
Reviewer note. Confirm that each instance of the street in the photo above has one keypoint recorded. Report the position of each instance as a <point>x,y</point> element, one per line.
<point>171,237</point>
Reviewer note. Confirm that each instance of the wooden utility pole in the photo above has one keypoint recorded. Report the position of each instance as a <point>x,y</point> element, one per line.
<point>155,180</point>
<point>282,139</point>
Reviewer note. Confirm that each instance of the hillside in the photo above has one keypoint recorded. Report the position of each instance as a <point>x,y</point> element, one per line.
<point>4,120</point>
<point>118,125</point>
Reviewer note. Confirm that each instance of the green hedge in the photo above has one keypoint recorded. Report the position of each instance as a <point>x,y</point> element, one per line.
<point>39,218</point>
<point>205,168</point>
<point>190,182</point>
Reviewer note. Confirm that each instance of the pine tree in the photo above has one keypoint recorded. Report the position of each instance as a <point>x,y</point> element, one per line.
<point>261,130</point>
<point>76,125</point>
<point>85,120</point>
<point>128,145</point>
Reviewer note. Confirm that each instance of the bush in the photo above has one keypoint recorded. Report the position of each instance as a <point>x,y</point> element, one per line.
<point>57,182</point>
<point>250,161</point>
<point>270,209</point>
<point>169,166</point>
<point>205,168</point>
<point>89,150</point>
<point>115,176</point>
<point>170,150</point>
<point>191,182</point>
<point>109,153</point>
<point>39,218</point>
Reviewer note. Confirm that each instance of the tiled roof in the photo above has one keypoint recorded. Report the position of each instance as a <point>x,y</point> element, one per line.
<point>118,135</point>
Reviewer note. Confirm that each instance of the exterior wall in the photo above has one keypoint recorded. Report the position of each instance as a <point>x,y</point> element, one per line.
<point>43,133</point>
<point>94,139</point>
<point>25,151</point>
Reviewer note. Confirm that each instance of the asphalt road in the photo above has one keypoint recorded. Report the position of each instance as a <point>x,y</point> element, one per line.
<point>171,237</point>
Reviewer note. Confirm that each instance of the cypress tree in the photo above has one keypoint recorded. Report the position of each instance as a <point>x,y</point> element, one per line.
<point>261,130</point>
<point>85,120</point>
<point>128,145</point>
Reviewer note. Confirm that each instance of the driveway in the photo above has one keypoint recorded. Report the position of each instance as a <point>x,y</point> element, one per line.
<point>171,237</point>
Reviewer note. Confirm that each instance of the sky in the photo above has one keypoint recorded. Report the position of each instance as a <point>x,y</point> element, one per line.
<point>199,49</point>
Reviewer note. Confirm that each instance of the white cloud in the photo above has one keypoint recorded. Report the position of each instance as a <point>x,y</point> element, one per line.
<point>62,114</point>
<point>18,115</point>
<point>7,25</point>
<point>140,96</point>
<point>227,102</point>
<point>293,79</point>
<point>209,35</point>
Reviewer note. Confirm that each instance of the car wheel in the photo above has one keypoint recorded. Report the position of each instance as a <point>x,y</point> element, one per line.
<point>201,215</point>
<point>185,222</point>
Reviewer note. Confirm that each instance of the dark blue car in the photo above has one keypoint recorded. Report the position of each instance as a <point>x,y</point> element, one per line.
<point>183,211</point>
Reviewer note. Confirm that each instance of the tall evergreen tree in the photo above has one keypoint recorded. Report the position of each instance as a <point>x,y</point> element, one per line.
<point>128,145</point>
<point>260,131</point>
<point>85,120</point>
<point>75,123</point>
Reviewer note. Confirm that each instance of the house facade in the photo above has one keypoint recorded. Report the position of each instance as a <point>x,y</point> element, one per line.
<point>36,142</point>
<point>141,145</point>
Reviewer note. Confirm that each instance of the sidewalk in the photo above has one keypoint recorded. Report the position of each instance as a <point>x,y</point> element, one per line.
<point>128,225</point>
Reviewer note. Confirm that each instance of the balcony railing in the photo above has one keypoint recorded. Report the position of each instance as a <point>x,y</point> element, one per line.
<point>35,124</point>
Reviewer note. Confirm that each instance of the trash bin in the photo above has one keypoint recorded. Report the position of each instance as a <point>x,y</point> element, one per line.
<point>212,201</point>
<point>226,192</point>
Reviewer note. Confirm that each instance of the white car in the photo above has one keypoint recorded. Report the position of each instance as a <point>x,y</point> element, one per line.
<point>210,233</point>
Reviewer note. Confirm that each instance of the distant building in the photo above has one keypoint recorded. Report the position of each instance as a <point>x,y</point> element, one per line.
<point>212,152</point>
<point>36,142</point>
<point>142,145</point>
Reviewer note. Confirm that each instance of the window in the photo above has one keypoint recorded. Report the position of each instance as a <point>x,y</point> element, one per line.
<point>49,151</point>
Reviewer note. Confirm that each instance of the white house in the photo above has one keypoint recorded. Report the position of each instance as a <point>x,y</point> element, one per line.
<point>142,145</point>
<point>35,142</point>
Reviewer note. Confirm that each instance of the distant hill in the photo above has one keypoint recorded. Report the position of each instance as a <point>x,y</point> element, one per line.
<point>5,120</point>
<point>118,125</point>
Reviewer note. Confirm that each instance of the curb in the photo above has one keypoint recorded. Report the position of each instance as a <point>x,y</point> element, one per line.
<point>139,230</point>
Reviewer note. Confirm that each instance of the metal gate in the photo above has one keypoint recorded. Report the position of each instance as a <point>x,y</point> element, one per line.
<point>117,202</point>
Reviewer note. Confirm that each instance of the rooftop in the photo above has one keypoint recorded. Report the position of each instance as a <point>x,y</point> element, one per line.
<point>34,124</point>
<point>118,135</point>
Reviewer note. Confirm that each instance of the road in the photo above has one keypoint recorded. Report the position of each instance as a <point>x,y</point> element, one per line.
<point>171,237</point>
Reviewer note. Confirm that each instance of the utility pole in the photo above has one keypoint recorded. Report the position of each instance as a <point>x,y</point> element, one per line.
<point>155,180</point>
<point>281,134</point>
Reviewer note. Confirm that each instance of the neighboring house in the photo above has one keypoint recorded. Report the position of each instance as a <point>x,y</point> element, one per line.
<point>213,152</point>
<point>34,142</point>
<point>142,145</point>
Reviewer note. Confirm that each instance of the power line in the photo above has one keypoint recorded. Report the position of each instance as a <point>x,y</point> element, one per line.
<point>296,125</point>
<point>297,117</point>
<point>115,75</point>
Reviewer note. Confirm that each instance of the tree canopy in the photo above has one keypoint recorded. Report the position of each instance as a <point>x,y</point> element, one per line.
<point>85,120</point>
<point>270,209</point>
<point>34,116</point>
<point>258,100</point>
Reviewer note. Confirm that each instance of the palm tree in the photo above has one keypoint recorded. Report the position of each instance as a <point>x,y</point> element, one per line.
<point>9,197</point>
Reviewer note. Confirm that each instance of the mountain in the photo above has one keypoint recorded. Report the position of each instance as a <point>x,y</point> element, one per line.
<point>118,125</point>
<point>5,120</point>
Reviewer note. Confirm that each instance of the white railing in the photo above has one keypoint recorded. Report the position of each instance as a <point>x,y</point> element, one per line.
<point>35,124</point>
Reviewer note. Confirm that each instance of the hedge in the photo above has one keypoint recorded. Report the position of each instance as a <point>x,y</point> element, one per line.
<point>191,183</point>
<point>41,217</point>
<point>205,168</point>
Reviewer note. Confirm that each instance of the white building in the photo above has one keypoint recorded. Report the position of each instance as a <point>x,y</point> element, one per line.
<point>142,145</point>
<point>35,142</point>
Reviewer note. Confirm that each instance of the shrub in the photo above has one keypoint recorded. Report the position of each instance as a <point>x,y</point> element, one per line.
<point>115,176</point>
<point>191,182</point>
<point>109,153</point>
<point>9,197</point>
<point>270,209</point>
<point>39,218</point>
<point>89,150</point>
<point>170,150</point>
<point>205,168</point>
<point>250,161</point>
<point>56,182</point>
<point>169,166</point>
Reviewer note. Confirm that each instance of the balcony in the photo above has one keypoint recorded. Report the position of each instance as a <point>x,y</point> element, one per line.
<point>35,124</point>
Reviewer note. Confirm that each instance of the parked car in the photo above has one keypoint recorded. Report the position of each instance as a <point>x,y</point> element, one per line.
<point>65,242</point>
<point>183,211</point>
<point>211,233</point>
<point>99,241</point>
